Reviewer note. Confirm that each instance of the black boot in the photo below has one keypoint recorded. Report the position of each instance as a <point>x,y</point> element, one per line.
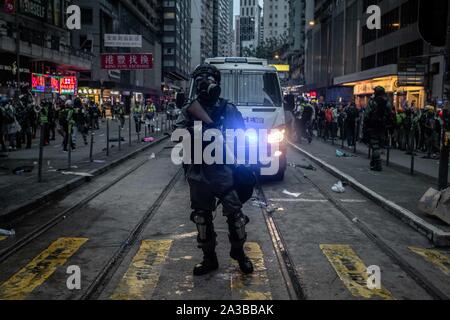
<point>245,264</point>
<point>209,264</point>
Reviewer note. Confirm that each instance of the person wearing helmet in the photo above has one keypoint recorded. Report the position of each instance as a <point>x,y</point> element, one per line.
<point>150,114</point>
<point>66,121</point>
<point>376,119</point>
<point>210,182</point>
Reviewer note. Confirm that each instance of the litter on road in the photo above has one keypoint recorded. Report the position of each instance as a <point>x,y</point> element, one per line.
<point>306,167</point>
<point>295,195</point>
<point>7,233</point>
<point>342,154</point>
<point>338,187</point>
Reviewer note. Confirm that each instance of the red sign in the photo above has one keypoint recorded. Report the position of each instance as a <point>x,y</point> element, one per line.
<point>44,83</point>
<point>68,85</point>
<point>127,61</point>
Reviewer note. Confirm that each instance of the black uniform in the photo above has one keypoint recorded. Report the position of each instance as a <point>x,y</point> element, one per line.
<point>376,120</point>
<point>211,182</point>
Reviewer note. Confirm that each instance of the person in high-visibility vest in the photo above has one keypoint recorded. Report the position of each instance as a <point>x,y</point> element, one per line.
<point>150,113</point>
<point>137,116</point>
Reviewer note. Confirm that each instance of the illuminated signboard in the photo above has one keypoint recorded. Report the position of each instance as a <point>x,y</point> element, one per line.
<point>37,83</point>
<point>43,83</point>
<point>68,85</point>
<point>281,67</point>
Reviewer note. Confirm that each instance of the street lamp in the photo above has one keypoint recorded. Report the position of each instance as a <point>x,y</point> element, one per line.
<point>312,23</point>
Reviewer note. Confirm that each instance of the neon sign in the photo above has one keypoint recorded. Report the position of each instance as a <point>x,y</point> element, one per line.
<point>43,83</point>
<point>68,85</point>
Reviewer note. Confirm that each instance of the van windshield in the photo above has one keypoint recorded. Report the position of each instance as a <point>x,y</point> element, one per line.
<point>258,88</point>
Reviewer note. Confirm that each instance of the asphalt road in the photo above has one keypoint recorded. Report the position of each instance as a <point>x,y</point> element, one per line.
<point>134,240</point>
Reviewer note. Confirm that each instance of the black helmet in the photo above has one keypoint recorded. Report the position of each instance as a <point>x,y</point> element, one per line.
<point>379,91</point>
<point>207,69</point>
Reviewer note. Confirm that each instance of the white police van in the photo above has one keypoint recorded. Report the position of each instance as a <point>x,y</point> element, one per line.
<point>254,87</point>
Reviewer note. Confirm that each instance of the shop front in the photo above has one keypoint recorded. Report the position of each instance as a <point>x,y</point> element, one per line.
<point>400,96</point>
<point>363,84</point>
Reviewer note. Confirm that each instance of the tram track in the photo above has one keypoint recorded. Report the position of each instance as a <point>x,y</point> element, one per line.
<point>287,267</point>
<point>63,215</point>
<point>104,276</point>
<point>419,278</point>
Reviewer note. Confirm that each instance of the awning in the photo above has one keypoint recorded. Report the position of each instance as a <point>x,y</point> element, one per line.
<point>388,70</point>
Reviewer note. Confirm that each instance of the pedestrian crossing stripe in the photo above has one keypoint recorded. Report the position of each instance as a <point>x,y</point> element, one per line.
<point>435,257</point>
<point>35,273</point>
<point>142,277</point>
<point>2,238</point>
<point>254,286</point>
<point>352,272</point>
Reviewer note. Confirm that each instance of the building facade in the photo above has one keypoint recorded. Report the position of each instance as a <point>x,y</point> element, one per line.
<point>222,27</point>
<point>250,22</point>
<point>44,46</point>
<point>300,13</point>
<point>176,44</point>
<point>345,60</point>
<point>237,36</point>
<point>276,18</point>
<point>201,31</point>
<point>120,18</point>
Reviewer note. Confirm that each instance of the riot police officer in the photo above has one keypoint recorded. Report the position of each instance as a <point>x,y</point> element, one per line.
<point>376,119</point>
<point>210,182</point>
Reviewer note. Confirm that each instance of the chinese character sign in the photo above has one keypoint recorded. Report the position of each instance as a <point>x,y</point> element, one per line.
<point>44,83</point>
<point>123,40</point>
<point>37,83</point>
<point>68,85</point>
<point>127,61</point>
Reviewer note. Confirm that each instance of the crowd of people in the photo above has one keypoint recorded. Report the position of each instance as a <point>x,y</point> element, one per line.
<point>408,128</point>
<point>21,119</point>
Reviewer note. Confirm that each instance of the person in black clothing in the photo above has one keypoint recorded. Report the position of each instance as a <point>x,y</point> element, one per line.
<point>210,182</point>
<point>307,122</point>
<point>350,123</point>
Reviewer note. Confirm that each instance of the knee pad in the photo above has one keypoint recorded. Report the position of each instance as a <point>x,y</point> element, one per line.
<point>236,226</point>
<point>205,227</point>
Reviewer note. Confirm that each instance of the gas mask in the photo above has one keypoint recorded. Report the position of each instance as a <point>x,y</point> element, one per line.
<point>208,90</point>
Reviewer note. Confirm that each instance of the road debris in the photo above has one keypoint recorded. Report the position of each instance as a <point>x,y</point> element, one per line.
<point>338,187</point>
<point>7,233</point>
<point>342,154</point>
<point>295,195</point>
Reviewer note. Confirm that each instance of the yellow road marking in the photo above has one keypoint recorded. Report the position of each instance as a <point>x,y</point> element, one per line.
<point>143,275</point>
<point>254,286</point>
<point>352,271</point>
<point>435,257</point>
<point>2,238</point>
<point>19,286</point>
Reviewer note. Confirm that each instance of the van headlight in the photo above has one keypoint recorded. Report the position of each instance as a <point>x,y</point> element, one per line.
<point>276,136</point>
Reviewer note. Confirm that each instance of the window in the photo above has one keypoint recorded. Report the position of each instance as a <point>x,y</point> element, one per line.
<point>87,16</point>
<point>387,57</point>
<point>368,62</point>
<point>257,88</point>
<point>410,12</point>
